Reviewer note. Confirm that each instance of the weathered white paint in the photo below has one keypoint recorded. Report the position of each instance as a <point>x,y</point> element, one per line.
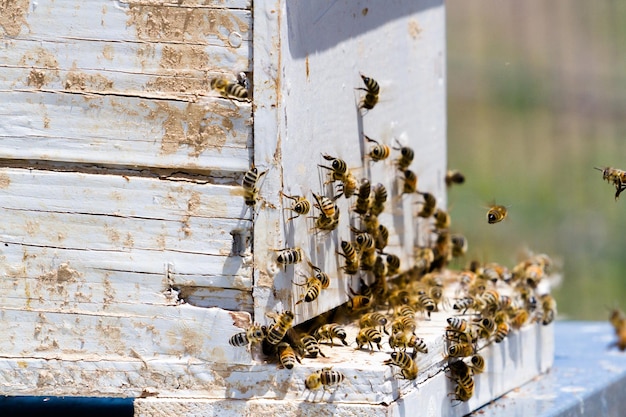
<point>307,62</point>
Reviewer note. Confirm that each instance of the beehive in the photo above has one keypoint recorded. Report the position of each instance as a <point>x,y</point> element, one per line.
<point>129,255</point>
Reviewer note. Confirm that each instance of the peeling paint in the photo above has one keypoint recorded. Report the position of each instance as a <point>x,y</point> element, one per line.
<point>13,15</point>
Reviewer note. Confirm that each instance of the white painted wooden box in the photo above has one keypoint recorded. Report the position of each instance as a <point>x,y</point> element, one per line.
<point>128,255</point>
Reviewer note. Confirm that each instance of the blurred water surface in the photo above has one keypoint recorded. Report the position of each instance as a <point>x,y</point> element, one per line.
<point>536,99</point>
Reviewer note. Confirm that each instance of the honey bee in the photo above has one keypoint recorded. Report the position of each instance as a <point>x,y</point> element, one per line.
<point>548,306</point>
<point>460,350</point>
<point>454,177</point>
<point>369,336</point>
<point>351,256</point>
<point>424,257</point>
<point>253,334</point>
<point>313,381</point>
<point>363,240</point>
<point>329,377</point>
<point>615,176</point>
<point>289,256</point>
<point>380,197</point>
<point>393,264</point>
<point>403,323</point>
<point>459,245</point>
<point>502,331</point>
<point>477,364</point>
<point>425,302</point>
<point>379,151</point>
<point>410,182</point>
<point>282,323</point>
<point>406,156</point>
<point>326,205</point>
<point>250,186</point>
<point>380,268</point>
<point>349,186</point>
<point>371,93</point>
<point>442,219</point>
<point>287,355</point>
<point>310,346</point>
<point>320,275</point>
<point>363,197</point>
<point>496,214</point>
<point>485,327</point>
<point>406,364</point>
<point>465,383</point>
<point>329,224</point>
<point>405,339</point>
<point>329,331</point>
<point>338,168</point>
<point>359,303</point>
<point>618,321</point>
<point>228,89</point>
<point>300,205</point>
<point>312,291</point>
<point>519,318</point>
<point>429,206</point>
<point>382,237</point>
<point>464,304</point>
<point>370,222</point>
<point>242,80</point>
<point>373,319</point>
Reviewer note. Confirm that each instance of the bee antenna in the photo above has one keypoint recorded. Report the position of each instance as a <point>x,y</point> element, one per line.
<point>599,169</point>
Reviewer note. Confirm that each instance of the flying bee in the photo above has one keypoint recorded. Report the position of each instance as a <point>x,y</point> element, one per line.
<point>338,168</point>
<point>250,186</point>
<point>442,219</point>
<point>373,319</point>
<point>406,364</point>
<point>459,245</point>
<point>229,89</point>
<point>393,264</point>
<point>429,205</point>
<point>329,331</point>
<point>363,197</point>
<point>406,156</point>
<point>312,291</point>
<point>615,176</point>
<point>380,197</point>
<point>460,350</point>
<point>496,214</point>
<point>369,336</point>
<point>287,355</point>
<point>410,182</point>
<point>300,205</point>
<point>289,256</point>
<point>371,93</point>
<point>378,152</point>
<point>253,334</point>
<point>320,275</point>
<point>454,177</point>
<point>326,205</point>
<point>351,256</point>
<point>282,323</point>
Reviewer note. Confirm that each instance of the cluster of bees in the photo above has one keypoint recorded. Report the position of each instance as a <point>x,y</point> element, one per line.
<point>487,301</point>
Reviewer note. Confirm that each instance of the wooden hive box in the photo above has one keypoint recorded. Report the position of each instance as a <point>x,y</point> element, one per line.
<point>129,257</point>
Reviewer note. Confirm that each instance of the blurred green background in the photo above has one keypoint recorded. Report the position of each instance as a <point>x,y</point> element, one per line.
<point>536,99</point>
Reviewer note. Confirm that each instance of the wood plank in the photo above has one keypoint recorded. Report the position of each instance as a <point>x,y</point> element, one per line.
<point>126,131</point>
<point>307,97</point>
